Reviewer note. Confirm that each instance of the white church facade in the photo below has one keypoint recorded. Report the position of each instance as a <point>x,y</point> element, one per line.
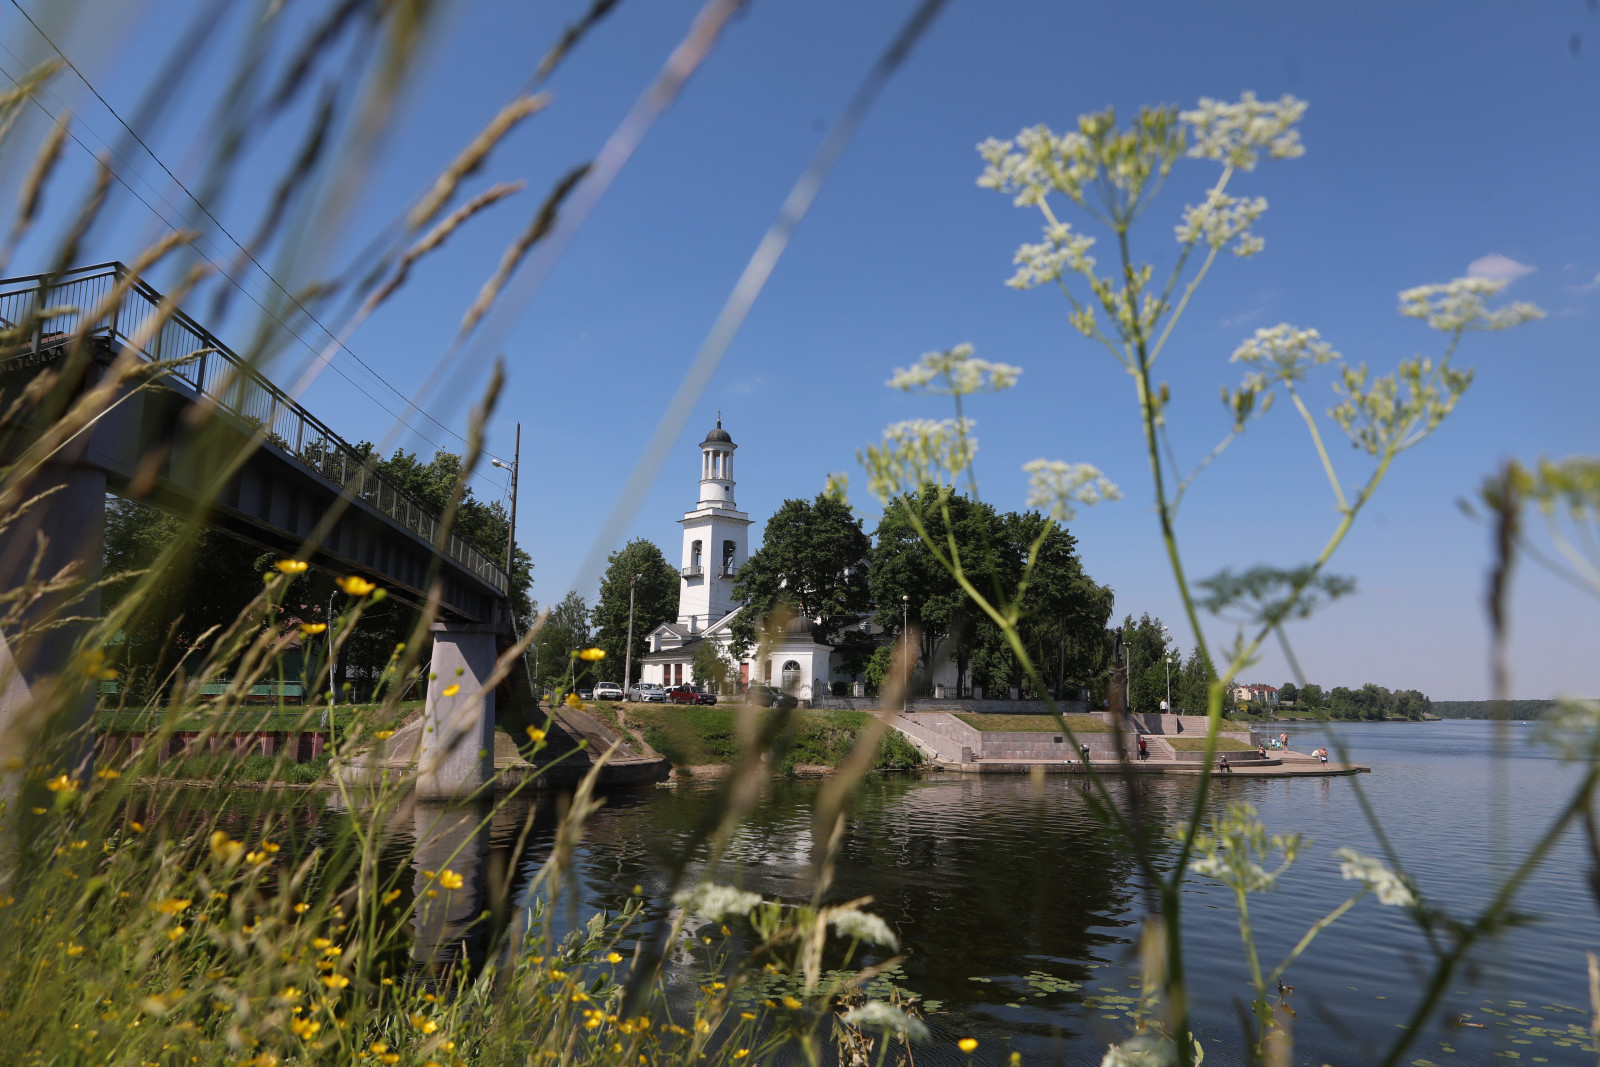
<point>715,545</point>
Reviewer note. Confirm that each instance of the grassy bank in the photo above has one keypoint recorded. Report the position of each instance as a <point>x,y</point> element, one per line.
<point>691,736</point>
<point>1032,724</point>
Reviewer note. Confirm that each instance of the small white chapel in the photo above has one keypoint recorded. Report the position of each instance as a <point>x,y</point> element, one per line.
<point>716,542</point>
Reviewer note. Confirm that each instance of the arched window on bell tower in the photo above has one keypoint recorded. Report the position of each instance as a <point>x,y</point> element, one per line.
<point>694,557</point>
<point>729,550</point>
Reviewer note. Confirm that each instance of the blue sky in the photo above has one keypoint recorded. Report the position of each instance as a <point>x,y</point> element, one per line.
<point>1438,135</point>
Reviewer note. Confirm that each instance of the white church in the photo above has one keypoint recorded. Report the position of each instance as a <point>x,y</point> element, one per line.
<point>716,543</point>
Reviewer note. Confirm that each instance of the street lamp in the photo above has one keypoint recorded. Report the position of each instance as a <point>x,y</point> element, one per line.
<point>511,530</point>
<point>1166,655</point>
<point>905,652</point>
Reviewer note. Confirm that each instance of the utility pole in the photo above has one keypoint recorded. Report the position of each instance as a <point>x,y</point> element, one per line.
<point>627,655</point>
<point>511,559</point>
<point>511,531</point>
<point>1127,675</point>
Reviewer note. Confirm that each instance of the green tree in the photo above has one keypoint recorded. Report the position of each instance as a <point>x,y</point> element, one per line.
<point>1192,685</point>
<point>812,562</point>
<point>908,583</point>
<point>205,589</point>
<point>564,632</point>
<point>711,667</point>
<point>655,600</point>
<point>482,524</point>
<point>1311,696</point>
<point>1146,649</point>
<point>1288,693</point>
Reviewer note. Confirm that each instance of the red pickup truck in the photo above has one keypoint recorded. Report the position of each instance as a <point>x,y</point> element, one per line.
<point>690,694</point>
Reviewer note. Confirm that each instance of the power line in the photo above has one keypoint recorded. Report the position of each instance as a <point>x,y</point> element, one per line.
<point>223,270</point>
<point>248,295</point>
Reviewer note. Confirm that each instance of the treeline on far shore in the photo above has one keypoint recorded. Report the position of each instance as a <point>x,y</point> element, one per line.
<point>1485,709</point>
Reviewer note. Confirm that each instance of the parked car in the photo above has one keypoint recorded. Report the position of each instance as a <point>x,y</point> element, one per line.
<point>767,696</point>
<point>690,694</point>
<point>646,692</point>
<point>607,691</point>
<point>586,694</point>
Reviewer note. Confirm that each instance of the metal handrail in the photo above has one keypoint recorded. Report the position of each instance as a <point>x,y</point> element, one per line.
<point>57,304</point>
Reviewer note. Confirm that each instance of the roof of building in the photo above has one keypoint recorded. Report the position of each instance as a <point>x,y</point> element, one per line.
<point>719,434</point>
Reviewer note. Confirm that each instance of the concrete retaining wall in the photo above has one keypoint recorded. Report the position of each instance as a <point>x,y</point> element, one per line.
<point>980,707</point>
<point>954,749</point>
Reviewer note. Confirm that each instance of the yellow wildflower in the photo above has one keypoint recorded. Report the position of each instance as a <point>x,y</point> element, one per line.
<point>355,585</point>
<point>320,942</point>
<point>382,735</point>
<point>224,847</point>
<point>292,566</point>
<point>391,896</point>
<point>74,950</point>
<point>967,1044</point>
<point>335,981</point>
<point>613,957</point>
<point>136,827</point>
<point>108,773</point>
<point>289,993</point>
<point>450,879</point>
<point>175,933</point>
<point>302,908</point>
<point>304,1028</point>
<point>741,1054</point>
<point>61,784</point>
<point>451,690</point>
<point>574,702</point>
<point>312,629</point>
<point>173,905</point>
<point>791,1003</point>
<point>592,655</point>
<point>423,1023</point>
<point>256,858</point>
<point>535,734</point>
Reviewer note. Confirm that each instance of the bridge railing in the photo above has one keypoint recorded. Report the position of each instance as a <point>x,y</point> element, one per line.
<point>45,307</point>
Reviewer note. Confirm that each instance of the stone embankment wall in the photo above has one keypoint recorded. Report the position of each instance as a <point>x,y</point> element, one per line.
<point>970,707</point>
<point>955,740</point>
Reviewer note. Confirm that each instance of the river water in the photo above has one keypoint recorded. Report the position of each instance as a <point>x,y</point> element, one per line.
<point>1019,915</point>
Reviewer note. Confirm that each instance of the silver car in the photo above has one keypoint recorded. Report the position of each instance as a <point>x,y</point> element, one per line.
<point>607,691</point>
<point>646,693</point>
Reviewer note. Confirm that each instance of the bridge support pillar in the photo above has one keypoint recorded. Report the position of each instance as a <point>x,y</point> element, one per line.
<point>60,537</point>
<point>457,752</point>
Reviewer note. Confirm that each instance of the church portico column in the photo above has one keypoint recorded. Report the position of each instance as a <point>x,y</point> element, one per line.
<point>456,757</point>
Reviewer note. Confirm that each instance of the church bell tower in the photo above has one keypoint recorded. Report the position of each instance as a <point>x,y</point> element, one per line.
<point>715,538</point>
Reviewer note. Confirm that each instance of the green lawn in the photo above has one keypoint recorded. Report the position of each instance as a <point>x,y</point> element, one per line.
<point>690,735</point>
<point>1033,724</point>
<point>1198,744</point>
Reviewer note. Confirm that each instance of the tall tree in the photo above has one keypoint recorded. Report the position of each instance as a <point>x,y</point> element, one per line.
<point>1288,692</point>
<point>812,562</point>
<point>564,632</point>
<point>655,601</point>
<point>213,580</point>
<point>908,582</point>
<point>1146,649</point>
<point>482,524</point>
<point>1191,688</point>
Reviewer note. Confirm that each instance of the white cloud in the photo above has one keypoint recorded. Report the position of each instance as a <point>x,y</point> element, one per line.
<point>1499,268</point>
<point>1242,317</point>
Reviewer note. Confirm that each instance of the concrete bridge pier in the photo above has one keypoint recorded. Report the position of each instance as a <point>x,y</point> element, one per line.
<point>456,755</point>
<point>59,538</point>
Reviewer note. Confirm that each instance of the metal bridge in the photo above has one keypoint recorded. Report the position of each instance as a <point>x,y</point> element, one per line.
<point>163,444</point>
<point>207,434</point>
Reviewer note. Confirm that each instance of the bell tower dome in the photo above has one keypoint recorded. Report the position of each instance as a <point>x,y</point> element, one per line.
<point>716,468</point>
<point>715,538</point>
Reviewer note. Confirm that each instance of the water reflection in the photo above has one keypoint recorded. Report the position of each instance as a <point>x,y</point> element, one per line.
<point>452,842</point>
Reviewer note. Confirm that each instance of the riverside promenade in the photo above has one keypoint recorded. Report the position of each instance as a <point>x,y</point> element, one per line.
<point>1174,745</point>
